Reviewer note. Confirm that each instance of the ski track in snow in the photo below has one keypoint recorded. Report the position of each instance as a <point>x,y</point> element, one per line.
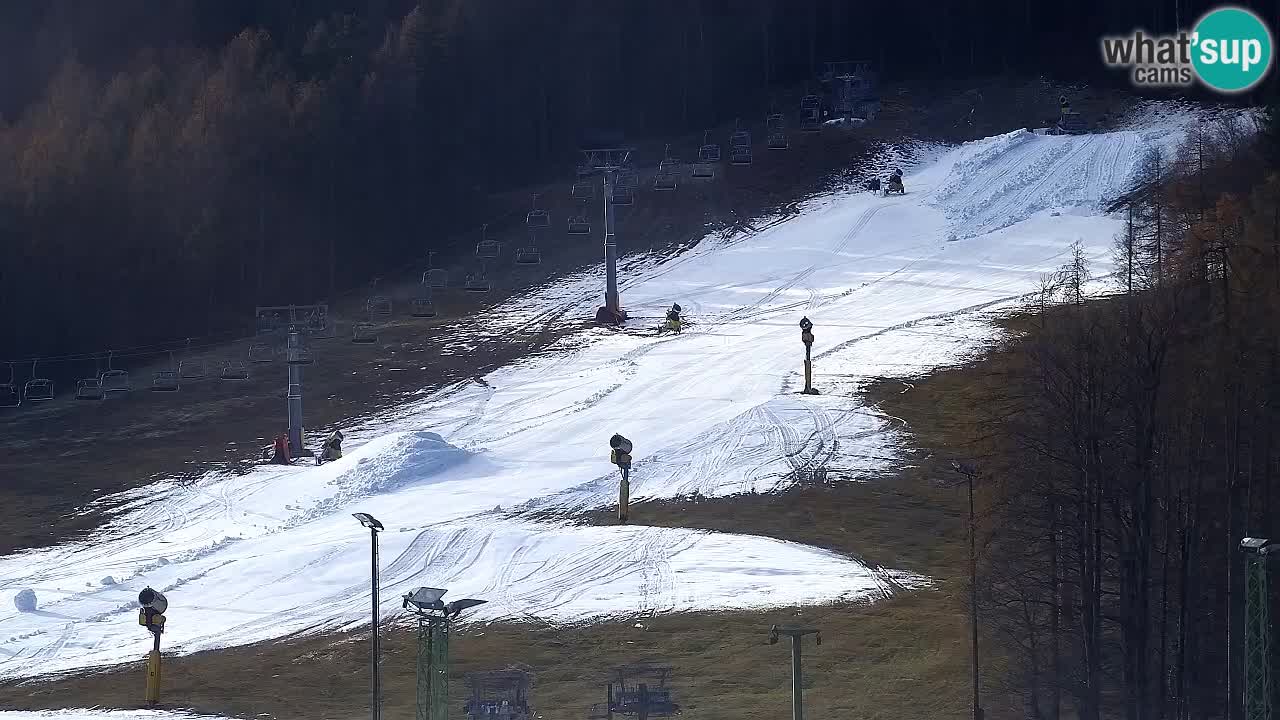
<point>895,286</point>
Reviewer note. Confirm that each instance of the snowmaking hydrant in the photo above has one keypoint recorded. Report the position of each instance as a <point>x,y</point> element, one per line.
<point>620,455</point>
<point>806,337</point>
<point>151,616</point>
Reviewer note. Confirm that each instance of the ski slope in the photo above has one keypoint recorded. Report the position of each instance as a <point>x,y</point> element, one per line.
<point>895,286</point>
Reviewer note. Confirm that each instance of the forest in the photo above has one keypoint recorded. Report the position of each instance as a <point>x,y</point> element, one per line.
<point>164,167</point>
<point>1137,440</point>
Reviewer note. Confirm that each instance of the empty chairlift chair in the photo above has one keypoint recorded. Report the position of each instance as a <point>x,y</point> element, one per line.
<point>261,352</point>
<point>777,139</point>
<point>378,305</point>
<point>708,156</point>
<point>10,393</point>
<point>434,278</point>
<point>487,249</point>
<point>166,380</point>
<point>190,368</point>
<point>740,147</point>
<point>36,388</point>
<point>810,113</point>
<point>583,191</point>
<point>665,177</point>
<point>537,219</point>
<point>114,379</point>
<point>89,389</point>
<point>364,333</point>
<point>624,188</point>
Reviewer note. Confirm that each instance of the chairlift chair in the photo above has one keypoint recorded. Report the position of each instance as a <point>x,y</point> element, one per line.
<point>478,282</point>
<point>113,379</point>
<point>740,155</point>
<point>665,177</point>
<point>487,249</point>
<point>810,113</point>
<point>89,389</point>
<point>537,219</point>
<point>36,388</point>
<point>364,333</point>
<point>261,352</point>
<point>378,305</point>
<point>777,139</point>
<point>434,278</point>
<point>193,369</point>
<point>583,191</point>
<point>579,224</point>
<point>234,370</point>
<point>709,152</point>
<point>422,307</point>
<point>165,381</point>
<point>10,394</point>
<point>529,254</point>
<point>624,188</point>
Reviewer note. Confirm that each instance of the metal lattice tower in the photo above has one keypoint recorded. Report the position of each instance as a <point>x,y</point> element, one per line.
<point>609,160</point>
<point>433,668</point>
<point>1257,631</point>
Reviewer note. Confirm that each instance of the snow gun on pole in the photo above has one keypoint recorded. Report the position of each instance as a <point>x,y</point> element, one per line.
<point>620,455</point>
<point>806,337</point>
<point>151,616</point>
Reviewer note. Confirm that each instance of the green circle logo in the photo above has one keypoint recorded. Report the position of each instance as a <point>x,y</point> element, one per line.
<point>1231,49</point>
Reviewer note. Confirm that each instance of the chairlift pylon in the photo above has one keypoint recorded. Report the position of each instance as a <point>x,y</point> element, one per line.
<point>298,351</point>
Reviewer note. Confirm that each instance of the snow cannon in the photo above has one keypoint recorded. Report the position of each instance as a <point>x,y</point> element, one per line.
<point>806,337</point>
<point>620,455</point>
<point>151,599</point>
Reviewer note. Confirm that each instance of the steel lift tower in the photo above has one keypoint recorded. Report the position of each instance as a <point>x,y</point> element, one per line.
<point>609,160</point>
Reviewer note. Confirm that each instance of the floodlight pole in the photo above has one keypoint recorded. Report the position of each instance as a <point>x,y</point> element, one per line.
<point>375,662</point>
<point>1257,634</point>
<point>969,473</point>
<point>797,674</point>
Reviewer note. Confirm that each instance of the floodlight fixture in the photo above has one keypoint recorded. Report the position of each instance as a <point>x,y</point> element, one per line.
<point>1261,546</point>
<point>368,521</point>
<point>453,609</point>
<point>425,598</point>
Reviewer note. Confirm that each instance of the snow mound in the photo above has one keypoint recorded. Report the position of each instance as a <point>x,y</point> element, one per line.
<point>998,182</point>
<point>409,459</point>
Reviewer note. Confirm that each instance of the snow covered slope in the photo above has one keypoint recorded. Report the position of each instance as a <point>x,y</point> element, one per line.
<point>712,411</point>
